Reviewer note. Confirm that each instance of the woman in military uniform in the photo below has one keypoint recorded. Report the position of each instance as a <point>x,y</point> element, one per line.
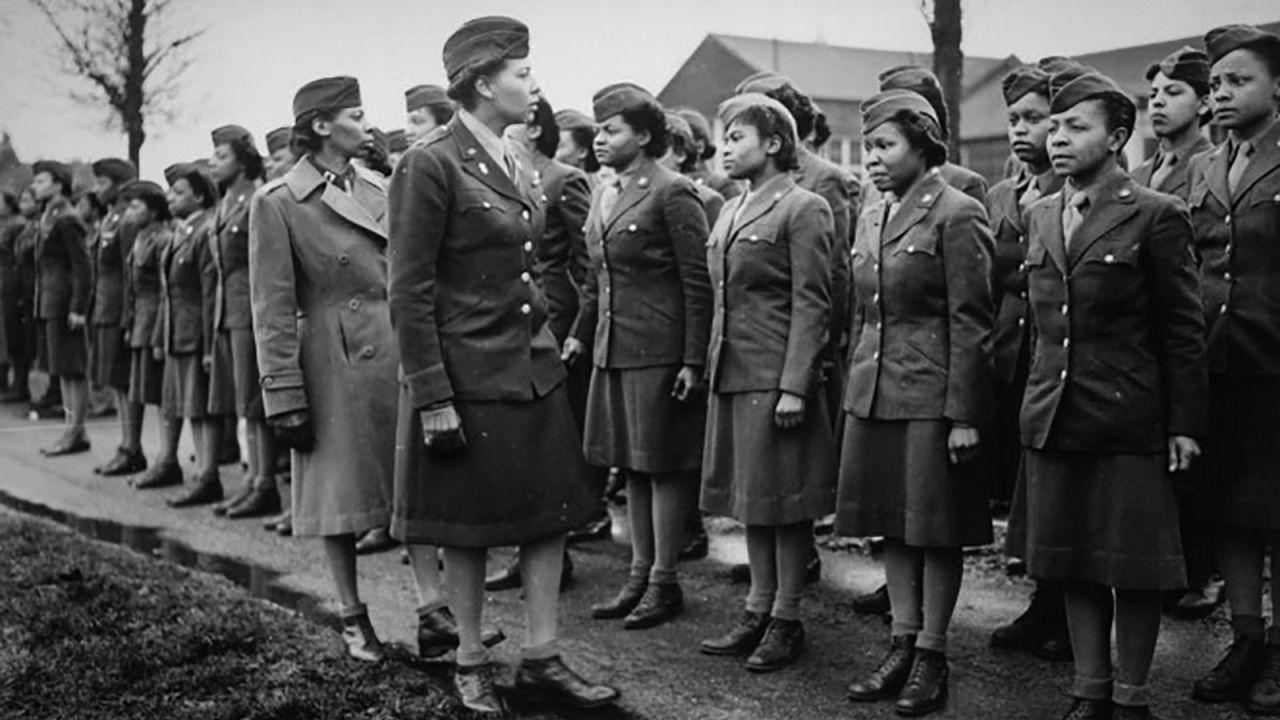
<point>500,461</point>
<point>770,450</point>
<point>19,241</point>
<point>704,149</point>
<point>918,383</point>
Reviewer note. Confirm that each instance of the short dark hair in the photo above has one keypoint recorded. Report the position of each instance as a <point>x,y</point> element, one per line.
<point>96,202</point>
<point>923,133</point>
<point>248,157</point>
<point>544,118</point>
<point>767,123</point>
<point>463,89</point>
<point>800,107</point>
<point>304,136</point>
<point>690,153</point>
<point>584,138</point>
<point>821,130</point>
<point>442,114</point>
<point>649,117</point>
<point>157,205</point>
<point>1120,112</point>
<point>205,190</point>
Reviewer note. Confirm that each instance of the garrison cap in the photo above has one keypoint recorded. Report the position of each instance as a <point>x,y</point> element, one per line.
<point>117,170</point>
<point>397,141</point>
<point>144,190</point>
<point>1022,81</point>
<point>678,126</point>
<point>59,171</point>
<point>230,133</point>
<point>884,106</point>
<point>697,123</point>
<point>421,96</point>
<point>762,82</point>
<point>279,139</point>
<point>619,97</point>
<point>1187,64</point>
<point>573,119</point>
<point>1054,64</point>
<point>484,40</point>
<point>921,82</point>
<point>195,175</point>
<point>1091,85</point>
<point>327,94</point>
<point>1224,40</point>
<point>733,107</point>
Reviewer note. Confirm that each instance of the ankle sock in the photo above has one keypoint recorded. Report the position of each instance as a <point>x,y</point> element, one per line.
<point>1135,696</point>
<point>662,577</point>
<point>1091,688</point>
<point>430,607</point>
<point>354,611</point>
<point>931,641</point>
<point>541,651</point>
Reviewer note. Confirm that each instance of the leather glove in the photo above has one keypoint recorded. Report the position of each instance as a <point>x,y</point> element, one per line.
<point>294,430</point>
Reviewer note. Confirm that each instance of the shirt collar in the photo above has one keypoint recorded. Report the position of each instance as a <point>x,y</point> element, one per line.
<point>491,143</point>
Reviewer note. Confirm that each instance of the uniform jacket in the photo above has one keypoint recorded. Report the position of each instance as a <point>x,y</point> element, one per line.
<point>647,301</point>
<point>923,284</point>
<point>230,250</point>
<point>562,260</point>
<point>771,274</point>
<point>841,191</point>
<point>1009,277</point>
<point>470,314</point>
<point>142,288</point>
<point>723,184</point>
<point>957,176</point>
<point>1238,241</point>
<point>318,279</point>
<point>62,263</point>
<point>1177,182</point>
<point>712,203</point>
<point>24,258</point>
<point>1118,362</point>
<point>110,253</point>
<point>188,288</point>
<point>9,283</point>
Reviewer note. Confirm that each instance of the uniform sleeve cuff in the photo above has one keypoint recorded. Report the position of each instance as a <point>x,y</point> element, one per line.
<point>429,386</point>
<point>796,383</point>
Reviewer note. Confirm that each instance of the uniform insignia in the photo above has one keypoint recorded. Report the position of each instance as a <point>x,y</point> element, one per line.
<point>644,182</point>
<point>484,168</point>
<point>1126,192</point>
<point>471,152</point>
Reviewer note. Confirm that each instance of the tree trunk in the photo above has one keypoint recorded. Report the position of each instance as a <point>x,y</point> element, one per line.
<point>948,63</point>
<point>135,96</point>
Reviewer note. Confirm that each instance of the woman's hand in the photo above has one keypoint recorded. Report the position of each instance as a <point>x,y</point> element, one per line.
<point>790,411</point>
<point>75,321</point>
<point>207,363</point>
<point>442,431</point>
<point>687,383</point>
<point>573,347</point>
<point>1182,452</point>
<point>962,443</point>
<point>157,353</point>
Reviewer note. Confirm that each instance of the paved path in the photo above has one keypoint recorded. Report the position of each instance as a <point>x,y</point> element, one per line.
<point>661,674</point>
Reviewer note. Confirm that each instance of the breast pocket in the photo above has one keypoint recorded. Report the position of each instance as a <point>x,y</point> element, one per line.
<point>919,243</point>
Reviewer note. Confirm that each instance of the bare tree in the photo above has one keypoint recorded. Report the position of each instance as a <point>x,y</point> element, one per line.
<point>132,61</point>
<point>944,17</point>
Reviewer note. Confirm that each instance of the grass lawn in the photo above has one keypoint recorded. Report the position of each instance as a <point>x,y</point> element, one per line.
<point>94,632</point>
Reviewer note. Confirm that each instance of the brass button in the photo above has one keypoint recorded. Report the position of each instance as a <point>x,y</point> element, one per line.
<point>343,259</point>
<point>354,303</point>
<point>487,205</point>
<point>1064,308</point>
<point>1223,309</point>
<point>1226,276</point>
<point>1022,322</point>
<point>525,309</point>
<point>525,214</point>
<point>631,227</point>
<point>875,355</point>
<point>525,277</point>
<point>1066,343</point>
<point>1062,375</point>
<point>368,351</point>
<point>528,246</point>
<point>268,381</point>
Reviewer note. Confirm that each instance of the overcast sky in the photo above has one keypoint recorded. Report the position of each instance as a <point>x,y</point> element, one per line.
<point>256,53</point>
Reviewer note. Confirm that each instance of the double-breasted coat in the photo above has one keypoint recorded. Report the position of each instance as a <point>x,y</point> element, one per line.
<point>562,250</point>
<point>235,374</point>
<point>1117,368</point>
<point>647,301</point>
<point>1236,240</point>
<point>318,282</point>
<point>770,268</point>
<point>471,321</point>
<point>62,288</point>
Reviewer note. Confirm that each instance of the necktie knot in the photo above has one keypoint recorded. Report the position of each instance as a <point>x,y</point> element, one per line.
<point>1234,174</point>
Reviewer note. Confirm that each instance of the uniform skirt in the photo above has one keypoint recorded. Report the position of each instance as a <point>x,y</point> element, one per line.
<point>146,377</point>
<point>897,480</point>
<point>633,422</point>
<point>110,364</point>
<point>235,385</point>
<point>186,387</point>
<point>520,479</point>
<point>1105,519</point>
<point>1242,455</point>
<point>65,352</point>
<point>759,474</point>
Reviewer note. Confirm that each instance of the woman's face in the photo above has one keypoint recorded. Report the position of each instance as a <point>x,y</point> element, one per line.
<point>348,131</point>
<point>892,162</point>
<point>138,213</point>
<point>418,123</point>
<point>568,151</point>
<point>745,153</point>
<point>1079,141</point>
<point>1029,129</point>
<point>1243,92</point>
<point>279,162</point>
<point>1175,106</point>
<point>183,200</point>
<point>224,166</point>
<point>512,90</point>
<point>617,144</point>
<point>27,203</point>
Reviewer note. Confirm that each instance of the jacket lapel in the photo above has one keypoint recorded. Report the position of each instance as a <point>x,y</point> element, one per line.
<point>303,180</point>
<point>762,202</point>
<point>1266,158</point>
<point>477,163</point>
<point>637,188</point>
<point>1113,204</point>
<point>1216,175</point>
<point>914,207</point>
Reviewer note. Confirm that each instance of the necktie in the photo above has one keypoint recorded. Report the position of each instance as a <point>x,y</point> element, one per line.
<point>1243,152</point>
<point>609,198</point>
<point>1030,195</point>
<point>1164,168</point>
<point>1073,216</point>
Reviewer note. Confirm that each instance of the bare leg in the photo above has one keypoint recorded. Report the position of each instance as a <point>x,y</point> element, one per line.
<point>943,570</point>
<point>904,574</point>
<point>424,560</point>
<point>170,436</point>
<point>465,569</point>
<point>265,449</point>
<point>540,566</point>
<point>340,552</point>
<point>210,430</point>
<point>75,393</point>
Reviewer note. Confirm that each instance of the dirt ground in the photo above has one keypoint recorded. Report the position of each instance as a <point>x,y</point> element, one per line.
<point>659,670</point>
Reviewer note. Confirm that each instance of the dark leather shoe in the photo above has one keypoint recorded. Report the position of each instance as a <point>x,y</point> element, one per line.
<point>1083,709</point>
<point>158,476</point>
<point>551,680</point>
<point>284,528</point>
<point>813,570</point>
<point>697,547</point>
<point>362,642</point>
<point>600,529</point>
<point>1126,712</point>
<point>438,634</point>
<point>260,501</point>
<point>887,680</point>
<point>1199,603</point>
<point>273,522</point>
<point>566,572</point>
<point>782,644</point>
<point>229,453</point>
<point>375,541</point>
<point>624,602</point>
<point>206,490</point>
<point>1232,678</point>
<point>69,444</point>
<point>125,462</point>
<point>1264,697</point>
<point>1056,648</point>
<point>245,491</point>
<point>873,603</point>
<point>926,688</point>
<point>740,574</point>
<point>477,690</point>
<point>507,578</point>
<point>1044,617</point>
<point>742,639</point>
<point>660,604</point>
